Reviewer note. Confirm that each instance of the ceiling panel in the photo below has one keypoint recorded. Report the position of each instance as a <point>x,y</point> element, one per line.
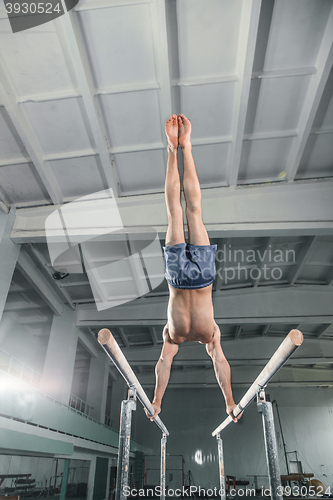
<point>296,33</point>
<point>103,250</point>
<point>61,126</point>
<point>78,176</point>
<point>80,293</point>
<point>208,37</point>
<point>322,251</point>
<point>131,46</point>
<point>172,39</point>
<point>162,288</point>
<point>211,163</point>
<point>282,328</point>
<point>142,170</point>
<point>317,159</point>
<point>209,107</point>
<point>132,118</point>
<point>36,61</point>
<point>308,328</point>
<point>280,103</point>
<point>22,184</point>
<point>314,274</point>
<point>264,159</point>
<point>324,114</point>
<point>120,45</point>
<point>248,329</point>
<point>138,336</point>
<point>11,145</point>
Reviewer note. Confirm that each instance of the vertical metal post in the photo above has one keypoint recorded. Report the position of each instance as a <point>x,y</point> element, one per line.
<point>63,488</point>
<point>127,407</point>
<point>266,409</point>
<point>221,466</point>
<point>163,466</point>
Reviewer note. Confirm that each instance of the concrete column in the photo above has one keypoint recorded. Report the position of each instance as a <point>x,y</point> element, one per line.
<point>119,393</point>
<point>91,478</point>
<point>64,480</point>
<point>8,256</point>
<point>98,385</point>
<point>60,357</point>
<point>108,479</point>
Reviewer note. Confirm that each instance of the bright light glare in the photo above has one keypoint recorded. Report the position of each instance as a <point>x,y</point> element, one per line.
<point>198,457</point>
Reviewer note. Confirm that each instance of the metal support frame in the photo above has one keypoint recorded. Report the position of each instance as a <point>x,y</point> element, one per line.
<point>266,409</point>
<point>127,406</point>
<point>112,349</point>
<point>293,340</point>
<point>163,466</point>
<point>221,466</point>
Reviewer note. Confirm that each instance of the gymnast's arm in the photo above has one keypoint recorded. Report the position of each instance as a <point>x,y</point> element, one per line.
<point>222,371</point>
<point>162,371</point>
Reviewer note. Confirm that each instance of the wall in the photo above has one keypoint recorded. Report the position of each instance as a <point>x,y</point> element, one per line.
<point>119,393</point>
<point>191,415</point>
<point>20,342</point>
<point>43,470</point>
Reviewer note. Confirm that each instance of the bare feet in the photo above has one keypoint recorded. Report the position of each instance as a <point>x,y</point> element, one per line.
<point>184,130</point>
<point>171,130</point>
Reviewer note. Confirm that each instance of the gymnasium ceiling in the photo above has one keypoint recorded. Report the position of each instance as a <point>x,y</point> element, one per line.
<point>83,101</point>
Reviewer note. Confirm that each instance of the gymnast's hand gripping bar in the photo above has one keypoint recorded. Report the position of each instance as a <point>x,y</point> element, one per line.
<point>112,349</point>
<point>293,340</point>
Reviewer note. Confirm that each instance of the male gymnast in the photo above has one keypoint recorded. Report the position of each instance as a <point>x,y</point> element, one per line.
<point>189,270</point>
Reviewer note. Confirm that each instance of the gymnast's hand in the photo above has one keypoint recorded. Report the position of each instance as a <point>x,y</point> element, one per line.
<point>230,409</point>
<point>157,410</point>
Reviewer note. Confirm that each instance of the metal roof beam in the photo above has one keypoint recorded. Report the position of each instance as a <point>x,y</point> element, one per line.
<point>238,331</point>
<point>247,43</point>
<point>265,331</point>
<point>161,51</point>
<point>263,252</point>
<point>312,99</point>
<point>39,257</point>
<point>69,32</point>
<point>329,280</point>
<point>302,259</point>
<point>40,283</point>
<point>123,337</point>
<point>322,329</point>
<point>28,136</point>
<point>270,305</point>
<point>238,362</point>
<point>153,334</point>
<point>302,208</point>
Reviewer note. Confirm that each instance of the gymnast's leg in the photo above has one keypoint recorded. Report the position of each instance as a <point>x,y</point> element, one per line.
<point>175,232</point>
<point>191,187</point>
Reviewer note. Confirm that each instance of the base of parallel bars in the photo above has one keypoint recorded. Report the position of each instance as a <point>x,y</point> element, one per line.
<point>127,406</point>
<point>221,466</point>
<point>163,466</point>
<point>266,409</point>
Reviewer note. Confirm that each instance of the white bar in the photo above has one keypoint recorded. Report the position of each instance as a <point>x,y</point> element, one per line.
<point>112,349</point>
<point>293,340</point>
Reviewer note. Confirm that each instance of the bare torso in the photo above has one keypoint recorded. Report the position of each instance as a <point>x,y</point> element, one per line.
<point>191,315</point>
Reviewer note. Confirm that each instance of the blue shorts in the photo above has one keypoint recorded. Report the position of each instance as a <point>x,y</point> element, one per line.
<point>189,266</point>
